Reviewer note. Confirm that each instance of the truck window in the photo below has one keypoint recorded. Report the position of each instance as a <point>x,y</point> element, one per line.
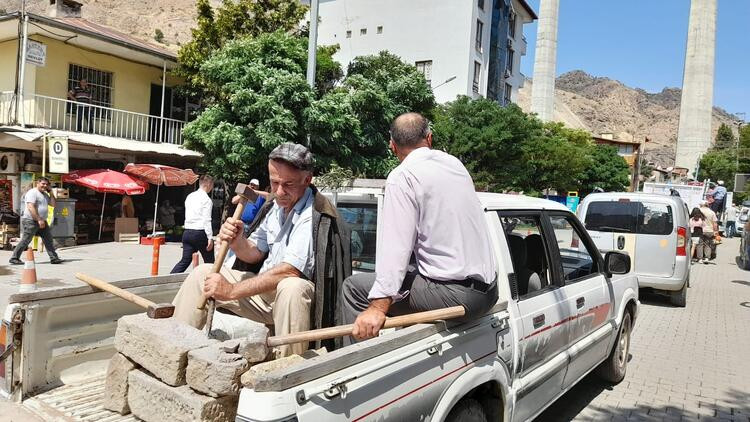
<point>612,216</point>
<point>576,259</point>
<point>363,220</point>
<point>528,253</point>
<point>655,219</point>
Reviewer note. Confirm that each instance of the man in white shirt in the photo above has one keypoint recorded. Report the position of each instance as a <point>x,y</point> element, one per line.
<point>198,234</point>
<point>431,216</point>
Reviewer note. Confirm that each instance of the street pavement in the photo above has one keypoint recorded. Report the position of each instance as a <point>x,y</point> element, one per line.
<point>688,363</point>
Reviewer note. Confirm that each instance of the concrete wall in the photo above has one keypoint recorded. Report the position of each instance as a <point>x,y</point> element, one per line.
<point>439,30</point>
<point>8,52</point>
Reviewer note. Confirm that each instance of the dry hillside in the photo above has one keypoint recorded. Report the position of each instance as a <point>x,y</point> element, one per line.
<point>602,105</point>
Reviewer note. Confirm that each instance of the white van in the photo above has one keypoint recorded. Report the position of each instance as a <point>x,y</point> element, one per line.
<point>652,229</point>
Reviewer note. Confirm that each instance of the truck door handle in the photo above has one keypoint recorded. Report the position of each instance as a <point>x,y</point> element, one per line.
<point>580,302</point>
<point>538,321</point>
<point>621,242</point>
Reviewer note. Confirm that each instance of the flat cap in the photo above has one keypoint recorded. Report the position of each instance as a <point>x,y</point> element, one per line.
<point>295,154</point>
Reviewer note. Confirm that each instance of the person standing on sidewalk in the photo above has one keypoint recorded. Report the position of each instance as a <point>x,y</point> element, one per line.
<point>198,234</point>
<point>34,221</point>
<point>710,226</point>
<point>730,218</point>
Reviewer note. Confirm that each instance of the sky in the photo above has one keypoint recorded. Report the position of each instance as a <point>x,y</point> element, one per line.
<point>641,43</point>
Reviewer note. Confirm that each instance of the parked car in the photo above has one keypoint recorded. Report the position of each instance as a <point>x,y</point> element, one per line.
<point>652,229</point>
<point>742,219</point>
<point>562,312</point>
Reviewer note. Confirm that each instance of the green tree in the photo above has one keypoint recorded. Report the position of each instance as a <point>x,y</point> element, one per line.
<point>724,137</point>
<point>558,158</point>
<point>233,19</point>
<point>718,165</point>
<point>606,170</point>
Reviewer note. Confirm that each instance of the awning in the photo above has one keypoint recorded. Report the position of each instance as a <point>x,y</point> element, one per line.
<point>15,136</point>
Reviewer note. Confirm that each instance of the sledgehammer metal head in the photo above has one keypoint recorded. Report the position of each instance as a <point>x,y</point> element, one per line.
<point>246,192</point>
<point>160,310</point>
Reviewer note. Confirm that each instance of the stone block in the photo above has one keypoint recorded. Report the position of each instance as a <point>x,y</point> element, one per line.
<point>153,401</point>
<point>215,370</point>
<point>116,384</point>
<point>159,345</point>
<point>262,369</point>
<point>253,345</point>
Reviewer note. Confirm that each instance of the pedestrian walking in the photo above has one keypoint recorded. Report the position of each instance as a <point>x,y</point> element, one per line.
<point>696,231</point>
<point>198,234</point>
<point>34,221</point>
<point>731,221</point>
<point>81,93</point>
<point>706,247</point>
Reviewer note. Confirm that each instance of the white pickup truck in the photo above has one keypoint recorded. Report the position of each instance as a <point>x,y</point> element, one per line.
<point>561,314</point>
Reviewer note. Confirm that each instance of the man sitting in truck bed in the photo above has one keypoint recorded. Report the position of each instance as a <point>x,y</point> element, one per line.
<point>431,214</point>
<point>293,285</point>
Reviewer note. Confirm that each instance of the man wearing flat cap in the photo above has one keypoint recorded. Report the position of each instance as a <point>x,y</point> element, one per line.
<point>292,290</point>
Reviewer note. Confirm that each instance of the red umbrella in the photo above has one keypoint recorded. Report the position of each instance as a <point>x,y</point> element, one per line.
<point>158,175</point>
<point>106,181</point>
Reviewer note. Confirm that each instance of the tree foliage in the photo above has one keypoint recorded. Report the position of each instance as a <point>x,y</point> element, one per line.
<point>233,19</point>
<point>606,170</point>
<point>718,165</point>
<point>724,137</point>
<point>262,100</point>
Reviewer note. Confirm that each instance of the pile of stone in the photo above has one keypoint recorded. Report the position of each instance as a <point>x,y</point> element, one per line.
<point>166,370</point>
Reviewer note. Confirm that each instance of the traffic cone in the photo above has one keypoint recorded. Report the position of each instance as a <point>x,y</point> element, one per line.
<point>28,277</point>
<point>195,259</point>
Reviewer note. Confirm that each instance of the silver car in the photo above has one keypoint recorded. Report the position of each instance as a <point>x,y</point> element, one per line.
<point>652,229</point>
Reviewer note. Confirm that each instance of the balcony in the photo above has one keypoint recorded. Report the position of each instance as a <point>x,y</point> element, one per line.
<point>60,114</point>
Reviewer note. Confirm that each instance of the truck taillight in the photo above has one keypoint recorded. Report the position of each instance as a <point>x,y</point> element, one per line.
<point>681,241</point>
<point>3,346</point>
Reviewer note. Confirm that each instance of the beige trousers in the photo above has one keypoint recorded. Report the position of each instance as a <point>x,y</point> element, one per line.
<point>287,308</point>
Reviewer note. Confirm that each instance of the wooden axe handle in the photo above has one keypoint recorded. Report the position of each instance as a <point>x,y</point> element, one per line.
<point>345,330</point>
<point>224,248</point>
<point>103,285</point>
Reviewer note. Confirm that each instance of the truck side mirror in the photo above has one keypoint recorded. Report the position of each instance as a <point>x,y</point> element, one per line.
<point>616,263</point>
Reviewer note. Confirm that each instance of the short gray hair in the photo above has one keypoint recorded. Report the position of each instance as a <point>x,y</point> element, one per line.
<point>409,129</point>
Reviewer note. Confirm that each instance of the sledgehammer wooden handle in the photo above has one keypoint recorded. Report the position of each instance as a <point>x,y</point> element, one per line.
<point>346,330</point>
<point>103,285</point>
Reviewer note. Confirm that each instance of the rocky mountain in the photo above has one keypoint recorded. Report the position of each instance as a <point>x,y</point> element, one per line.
<point>603,105</point>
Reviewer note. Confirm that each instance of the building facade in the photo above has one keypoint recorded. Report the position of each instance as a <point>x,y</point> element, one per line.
<point>463,47</point>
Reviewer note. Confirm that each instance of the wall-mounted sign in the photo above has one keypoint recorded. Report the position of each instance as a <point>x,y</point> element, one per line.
<point>58,154</point>
<point>36,53</point>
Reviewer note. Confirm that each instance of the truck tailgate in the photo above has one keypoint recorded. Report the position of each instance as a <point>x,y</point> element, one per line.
<point>75,402</point>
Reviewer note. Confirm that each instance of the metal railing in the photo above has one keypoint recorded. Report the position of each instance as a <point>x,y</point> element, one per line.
<point>61,114</point>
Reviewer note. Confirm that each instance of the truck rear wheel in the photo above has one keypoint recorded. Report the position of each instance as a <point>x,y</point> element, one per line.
<point>613,369</point>
<point>467,410</point>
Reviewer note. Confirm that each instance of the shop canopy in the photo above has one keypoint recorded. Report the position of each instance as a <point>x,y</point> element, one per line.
<point>106,181</point>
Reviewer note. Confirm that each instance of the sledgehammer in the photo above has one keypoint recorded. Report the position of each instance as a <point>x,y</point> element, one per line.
<point>260,344</point>
<point>246,193</point>
<point>153,310</point>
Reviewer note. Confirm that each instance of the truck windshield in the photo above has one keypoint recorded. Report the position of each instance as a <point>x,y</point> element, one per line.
<point>363,220</point>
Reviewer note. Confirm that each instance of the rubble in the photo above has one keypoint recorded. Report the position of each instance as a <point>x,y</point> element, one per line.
<point>116,384</point>
<point>215,370</point>
<point>153,401</point>
<point>159,345</point>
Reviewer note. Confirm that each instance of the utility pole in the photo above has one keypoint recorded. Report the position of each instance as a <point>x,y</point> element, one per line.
<point>739,133</point>
<point>312,48</point>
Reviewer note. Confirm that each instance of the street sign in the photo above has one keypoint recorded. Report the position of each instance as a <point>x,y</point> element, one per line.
<point>58,154</point>
<point>740,182</point>
<point>36,53</point>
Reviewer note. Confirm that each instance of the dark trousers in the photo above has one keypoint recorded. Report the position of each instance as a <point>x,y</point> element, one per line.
<point>83,113</point>
<point>424,295</point>
<point>731,230</point>
<point>29,229</point>
<point>193,241</point>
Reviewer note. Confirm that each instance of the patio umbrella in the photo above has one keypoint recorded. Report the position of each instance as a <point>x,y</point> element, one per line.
<point>158,175</point>
<point>106,181</point>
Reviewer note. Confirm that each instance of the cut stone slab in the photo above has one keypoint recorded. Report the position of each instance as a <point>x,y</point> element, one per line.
<point>153,401</point>
<point>116,384</point>
<point>253,345</point>
<point>159,345</point>
<point>215,370</point>
<point>249,378</point>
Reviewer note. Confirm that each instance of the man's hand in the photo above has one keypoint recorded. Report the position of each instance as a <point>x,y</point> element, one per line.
<point>217,287</point>
<point>42,224</point>
<point>210,245</point>
<point>371,320</point>
<point>231,229</point>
